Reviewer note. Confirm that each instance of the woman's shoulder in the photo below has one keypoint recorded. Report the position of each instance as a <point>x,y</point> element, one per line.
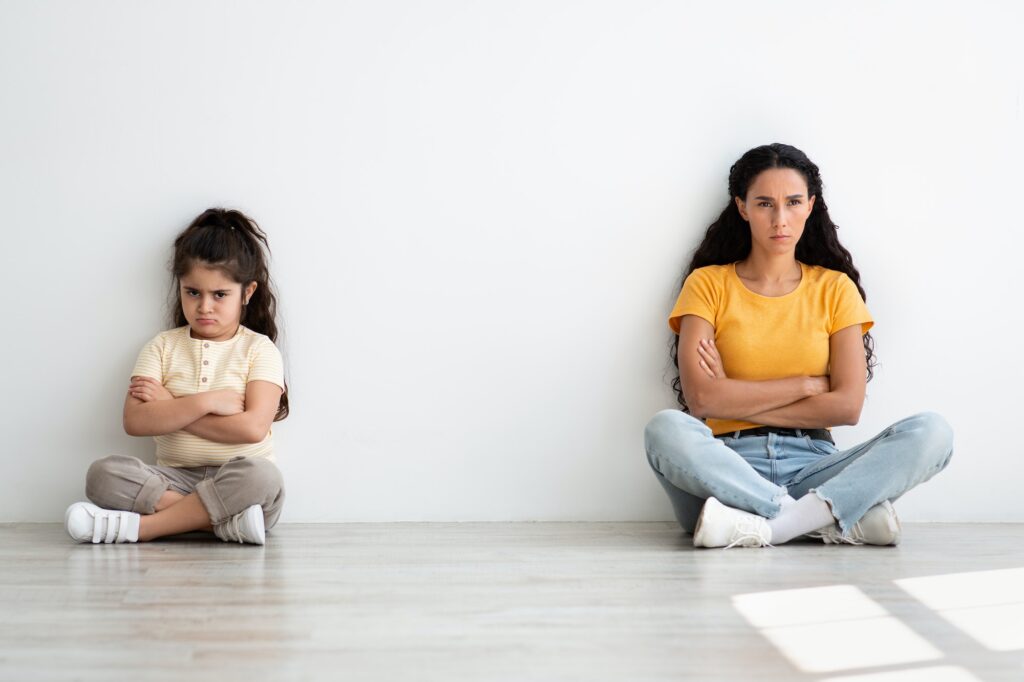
<point>713,270</point>
<point>819,274</point>
<point>710,273</point>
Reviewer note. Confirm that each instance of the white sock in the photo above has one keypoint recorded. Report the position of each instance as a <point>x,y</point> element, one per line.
<point>786,501</point>
<point>798,517</point>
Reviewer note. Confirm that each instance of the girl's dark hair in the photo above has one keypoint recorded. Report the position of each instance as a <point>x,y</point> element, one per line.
<point>727,240</point>
<point>233,243</point>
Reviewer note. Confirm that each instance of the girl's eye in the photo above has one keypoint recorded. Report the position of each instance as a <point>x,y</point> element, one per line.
<point>220,294</point>
<point>193,294</point>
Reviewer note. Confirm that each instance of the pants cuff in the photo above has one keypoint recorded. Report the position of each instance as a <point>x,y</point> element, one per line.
<point>844,527</point>
<point>777,501</point>
<point>211,500</point>
<point>152,490</point>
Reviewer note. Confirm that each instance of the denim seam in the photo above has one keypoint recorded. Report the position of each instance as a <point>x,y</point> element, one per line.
<point>867,445</point>
<point>687,474</point>
<point>815,448</point>
<point>776,499</point>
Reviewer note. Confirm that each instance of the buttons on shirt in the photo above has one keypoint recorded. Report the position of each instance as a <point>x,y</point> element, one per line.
<point>206,365</point>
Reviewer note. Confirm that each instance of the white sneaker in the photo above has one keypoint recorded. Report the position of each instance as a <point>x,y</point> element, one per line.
<point>722,526</point>
<point>86,522</point>
<point>246,526</point>
<point>879,526</point>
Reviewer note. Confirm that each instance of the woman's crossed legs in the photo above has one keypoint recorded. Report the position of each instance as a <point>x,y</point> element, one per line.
<point>759,474</point>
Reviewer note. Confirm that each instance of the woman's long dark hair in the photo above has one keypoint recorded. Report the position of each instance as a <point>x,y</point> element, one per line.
<point>727,240</point>
<point>233,243</point>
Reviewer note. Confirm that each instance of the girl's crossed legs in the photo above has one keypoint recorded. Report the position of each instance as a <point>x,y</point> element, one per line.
<point>755,473</point>
<point>174,500</point>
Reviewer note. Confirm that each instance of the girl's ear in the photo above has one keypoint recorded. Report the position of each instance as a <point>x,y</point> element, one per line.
<point>248,292</point>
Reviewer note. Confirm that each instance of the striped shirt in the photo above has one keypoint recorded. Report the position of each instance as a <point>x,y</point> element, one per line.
<point>186,366</point>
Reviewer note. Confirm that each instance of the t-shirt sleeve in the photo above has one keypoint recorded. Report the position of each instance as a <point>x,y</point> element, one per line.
<point>266,364</point>
<point>150,360</point>
<point>700,296</point>
<point>849,308</point>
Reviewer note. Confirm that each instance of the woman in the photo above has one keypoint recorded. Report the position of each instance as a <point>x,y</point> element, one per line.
<point>773,349</point>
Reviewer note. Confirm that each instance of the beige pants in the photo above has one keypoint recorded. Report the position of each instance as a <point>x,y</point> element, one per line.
<point>129,484</point>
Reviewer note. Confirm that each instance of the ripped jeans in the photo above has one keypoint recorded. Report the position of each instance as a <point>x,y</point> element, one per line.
<point>753,473</point>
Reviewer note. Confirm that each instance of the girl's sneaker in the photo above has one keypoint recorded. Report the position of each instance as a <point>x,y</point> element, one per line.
<point>86,522</point>
<point>246,526</point>
<point>879,526</point>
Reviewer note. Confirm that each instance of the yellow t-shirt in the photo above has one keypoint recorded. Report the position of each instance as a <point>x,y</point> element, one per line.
<point>186,366</point>
<point>765,337</point>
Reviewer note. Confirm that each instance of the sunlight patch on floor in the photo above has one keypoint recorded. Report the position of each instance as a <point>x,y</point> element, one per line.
<point>988,606</point>
<point>815,628</point>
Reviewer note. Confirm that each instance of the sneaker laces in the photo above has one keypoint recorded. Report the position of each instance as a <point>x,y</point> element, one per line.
<point>833,535</point>
<point>749,529</point>
<point>855,536</point>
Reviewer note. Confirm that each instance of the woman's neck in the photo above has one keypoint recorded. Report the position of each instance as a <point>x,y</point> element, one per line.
<point>760,267</point>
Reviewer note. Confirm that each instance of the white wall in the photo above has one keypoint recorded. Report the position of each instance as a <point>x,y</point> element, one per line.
<point>479,213</point>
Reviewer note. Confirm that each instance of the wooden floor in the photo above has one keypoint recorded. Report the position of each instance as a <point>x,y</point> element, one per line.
<point>545,601</point>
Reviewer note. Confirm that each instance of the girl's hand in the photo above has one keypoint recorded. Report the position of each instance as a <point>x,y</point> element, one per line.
<point>148,389</point>
<point>225,402</point>
<point>710,360</point>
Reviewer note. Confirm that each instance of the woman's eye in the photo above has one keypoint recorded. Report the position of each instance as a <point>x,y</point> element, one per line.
<point>765,204</point>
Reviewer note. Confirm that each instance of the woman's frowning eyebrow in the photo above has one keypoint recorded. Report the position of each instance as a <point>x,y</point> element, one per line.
<point>791,196</point>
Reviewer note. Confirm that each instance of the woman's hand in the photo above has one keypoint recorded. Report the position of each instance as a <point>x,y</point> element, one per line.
<point>225,402</point>
<point>710,360</point>
<point>819,385</point>
<point>148,389</point>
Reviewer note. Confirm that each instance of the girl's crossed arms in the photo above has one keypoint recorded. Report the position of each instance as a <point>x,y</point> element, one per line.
<point>222,416</point>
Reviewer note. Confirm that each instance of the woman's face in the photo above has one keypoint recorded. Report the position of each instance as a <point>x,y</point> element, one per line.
<point>776,206</point>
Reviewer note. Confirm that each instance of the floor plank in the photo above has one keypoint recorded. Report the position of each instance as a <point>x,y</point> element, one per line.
<point>502,601</point>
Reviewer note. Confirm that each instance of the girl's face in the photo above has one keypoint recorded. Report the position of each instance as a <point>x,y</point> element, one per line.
<point>776,206</point>
<point>212,302</point>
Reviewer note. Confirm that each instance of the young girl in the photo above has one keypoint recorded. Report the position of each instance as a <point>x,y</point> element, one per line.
<point>773,348</point>
<point>208,392</point>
